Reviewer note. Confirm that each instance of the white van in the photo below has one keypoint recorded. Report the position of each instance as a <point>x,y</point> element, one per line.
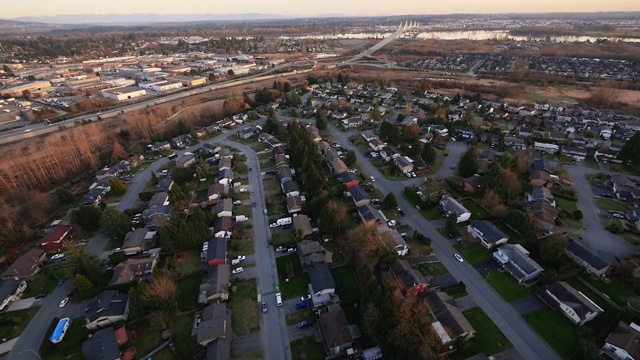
<point>278,299</point>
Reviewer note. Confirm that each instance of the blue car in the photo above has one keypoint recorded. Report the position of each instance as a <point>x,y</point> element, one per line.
<point>302,305</point>
<point>264,307</point>
<point>304,324</point>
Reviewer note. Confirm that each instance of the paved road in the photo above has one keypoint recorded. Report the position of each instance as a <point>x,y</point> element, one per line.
<point>523,338</point>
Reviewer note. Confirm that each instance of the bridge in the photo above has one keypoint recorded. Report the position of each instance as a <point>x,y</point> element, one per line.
<point>402,29</point>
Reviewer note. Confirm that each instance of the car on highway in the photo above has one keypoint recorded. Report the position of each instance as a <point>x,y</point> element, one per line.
<point>64,302</point>
<point>264,307</point>
<point>304,324</point>
<point>237,270</point>
<point>57,256</point>
<point>458,257</point>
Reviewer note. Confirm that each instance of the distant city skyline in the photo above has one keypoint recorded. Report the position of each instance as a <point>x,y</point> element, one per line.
<point>41,8</point>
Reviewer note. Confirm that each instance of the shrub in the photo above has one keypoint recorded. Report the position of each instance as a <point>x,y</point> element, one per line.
<point>577,215</point>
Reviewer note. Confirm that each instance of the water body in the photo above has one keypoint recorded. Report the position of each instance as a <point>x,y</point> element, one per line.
<point>502,34</point>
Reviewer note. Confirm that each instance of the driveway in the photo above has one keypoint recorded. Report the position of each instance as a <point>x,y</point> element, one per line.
<point>446,281</point>
<point>528,304</point>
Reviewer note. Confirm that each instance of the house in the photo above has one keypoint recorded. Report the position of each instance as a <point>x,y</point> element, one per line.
<point>546,147</point>
<point>159,146</point>
<point>573,304</point>
<point>369,213</point>
<point>106,309</point>
<point>159,212</point>
<point>465,132</point>
<point>359,196</point>
<point>290,188</point>
<point>488,234</point>
<point>136,241</point>
<point>158,200</point>
<point>225,177</point>
<point>515,143</point>
<point>93,197</point>
<point>352,123</point>
<point>337,166</point>
<point>472,183</point>
<point>223,227</point>
<point>331,154</point>
<point>368,135</point>
<point>185,160</point>
<point>411,281</point>
<point>215,323</point>
<point>302,226</point>
<point>215,191</point>
<point>215,287</point>
<point>102,345</point>
<point>334,328</point>
<point>134,269</point>
<point>540,193</point>
<point>180,141</point>
<point>452,206</point>
<point>624,188</point>
<point>216,252</point>
<point>273,143</point>
<point>348,179</point>
<point>377,144</point>
<point>58,235</point>
<point>246,133</point>
<point>577,153</point>
<point>404,164</point>
<point>225,164</point>
<point>164,185</point>
<point>211,148</point>
<point>311,252</point>
<point>540,173</point>
<point>11,290</point>
<point>623,342</point>
<point>586,258</point>
<point>284,173</point>
<point>515,260</point>
<point>393,241</point>
<point>321,280</point>
<point>544,213</point>
<point>448,321</point>
<point>281,160</point>
<point>294,204</point>
<point>26,265</point>
<point>224,207</point>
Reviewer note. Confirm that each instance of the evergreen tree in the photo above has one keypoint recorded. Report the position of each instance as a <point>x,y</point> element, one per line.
<point>389,201</point>
<point>117,187</point>
<point>87,218</point>
<point>64,196</point>
<point>468,163</point>
<point>428,154</point>
<point>114,224</point>
<point>630,152</point>
<point>321,120</point>
<point>272,125</point>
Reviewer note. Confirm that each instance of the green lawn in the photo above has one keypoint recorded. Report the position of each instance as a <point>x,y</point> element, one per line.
<point>309,347</point>
<point>555,329</point>
<point>435,269</point>
<point>598,179</point>
<point>508,287</point>
<point>241,242</point>
<point>614,289</point>
<point>565,204</point>
<point>609,204</point>
<point>149,338</point>
<point>187,262</point>
<point>477,213</point>
<point>297,316</point>
<point>293,280</point>
<point>283,239</point>
<point>591,162</point>
<point>13,323</point>
<point>488,340</point>
<point>164,354</point>
<point>473,252</point>
<point>184,342</point>
<point>244,312</point>
<point>256,355</point>
<point>345,275</point>
<point>41,283</point>
<point>630,237</point>
<point>188,289</point>
<point>456,291</point>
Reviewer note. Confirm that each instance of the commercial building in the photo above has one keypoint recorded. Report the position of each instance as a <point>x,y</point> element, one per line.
<point>18,90</point>
<point>125,93</point>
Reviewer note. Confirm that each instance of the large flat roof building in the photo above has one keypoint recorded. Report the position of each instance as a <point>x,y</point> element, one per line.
<point>19,89</point>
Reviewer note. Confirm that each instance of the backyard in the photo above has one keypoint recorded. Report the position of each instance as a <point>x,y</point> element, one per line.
<point>184,342</point>
<point>293,280</point>
<point>188,289</point>
<point>244,312</point>
<point>488,340</point>
<point>344,275</point>
<point>308,346</point>
<point>187,261</point>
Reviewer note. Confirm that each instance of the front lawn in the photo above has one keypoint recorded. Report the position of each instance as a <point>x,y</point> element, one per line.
<point>456,291</point>
<point>434,269</point>
<point>609,204</point>
<point>488,340</point>
<point>565,204</point>
<point>293,280</point>
<point>591,162</point>
<point>188,289</point>
<point>256,355</point>
<point>297,316</point>
<point>13,323</point>
<point>41,283</point>
<point>244,312</point>
<point>473,252</point>
<point>283,239</point>
<point>508,287</point>
<point>345,275</point>
<point>555,329</point>
<point>308,346</point>
<point>241,242</point>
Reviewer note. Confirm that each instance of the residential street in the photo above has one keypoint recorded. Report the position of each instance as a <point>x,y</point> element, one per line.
<point>506,318</point>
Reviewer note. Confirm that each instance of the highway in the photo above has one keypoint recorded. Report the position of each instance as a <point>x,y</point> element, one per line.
<point>523,338</point>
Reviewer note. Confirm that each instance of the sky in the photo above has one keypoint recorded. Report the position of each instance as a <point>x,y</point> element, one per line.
<point>13,9</point>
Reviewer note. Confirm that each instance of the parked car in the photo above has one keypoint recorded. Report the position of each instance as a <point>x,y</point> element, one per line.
<point>305,298</point>
<point>64,302</point>
<point>400,211</point>
<point>264,307</point>
<point>392,223</point>
<point>41,296</point>
<point>458,257</point>
<point>302,305</point>
<point>237,270</point>
<point>61,281</point>
<point>292,250</point>
<point>57,256</point>
<point>304,324</point>
<point>264,211</point>
<point>372,178</point>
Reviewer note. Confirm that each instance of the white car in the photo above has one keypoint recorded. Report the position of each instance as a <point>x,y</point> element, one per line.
<point>372,178</point>
<point>265,211</point>
<point>57,256</point>
<point>28,130</point>
<point>392,223</point>
<point>305,298</point>
<point>273,225</point>
<point>458,257</point>
<point>237,270</point>
<point>64,302</point>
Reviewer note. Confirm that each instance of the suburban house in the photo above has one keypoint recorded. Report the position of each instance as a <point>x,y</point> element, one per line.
<point>337,166</point>
<point>540,173</point>
<point>215,287</point>
<point>216,252</point>
<point>541,193</point>
<point>294,204</point>
<point>348,179</point>
<point>377,144</point>
<point>514,143</point>
<point>302,226</point>
<point>106,309</point>
<point>488,234</point>
<point>215,191</point>
<point>164,184</point>
<point>281,159</point>
<point>544,212</point>
<point>623,342</point>
<point>368,135</point>
<point>136,241</point>
<point>321,280</point>
<point>515,260</point>
<point>359,196</point>
<point>223,227</point>
<point>410,280</point>
<point>472,183</point>
<point>185,160</point>
<point>452,206</point>
<point>370,213</point>
<point>586,258</point>
<point>224,164</point>
<point>134,269</point>
<point>578,153</point>
<point>156,212</point>
<point>448,321</point>
<point>311,252</point>
<point>224,207</point>
<point>11,290</point>
<point>393,241</point>
<point>103,345</point>
<point>336,335</point>
<point>573,304</point>
<point>624,188</point>
<point>352,123</point>
<point>225,177</point>
<point>58,235</point>
<point>158,200</point>
<point>403,164</point>
<point>26,265</point>
<point>284,173</point>
<point>290,188</point>
<point>215,323</point>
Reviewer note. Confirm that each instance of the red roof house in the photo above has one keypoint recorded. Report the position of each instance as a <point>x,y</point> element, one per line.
<point>59,234</point>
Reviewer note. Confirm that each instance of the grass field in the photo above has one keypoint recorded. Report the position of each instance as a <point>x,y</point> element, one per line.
<point>609,204</point>
<point>508,287</point>
<point>41,283</point>
<point>185,343</point>
<point>489,340</point>
<point>308,346</point>
<point>13,323</point>
<point>614,289</point>
<point>187,262</point>
<point>555,329</point>
<point>565,204</point>
<point>477,213</point>
<point>244,310</point>
<point>188,289</point>
<point>473,252</point>
<point>345,275</point>
<point>435,269</point>
<point>293,281</point>
<point>242,242</point>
